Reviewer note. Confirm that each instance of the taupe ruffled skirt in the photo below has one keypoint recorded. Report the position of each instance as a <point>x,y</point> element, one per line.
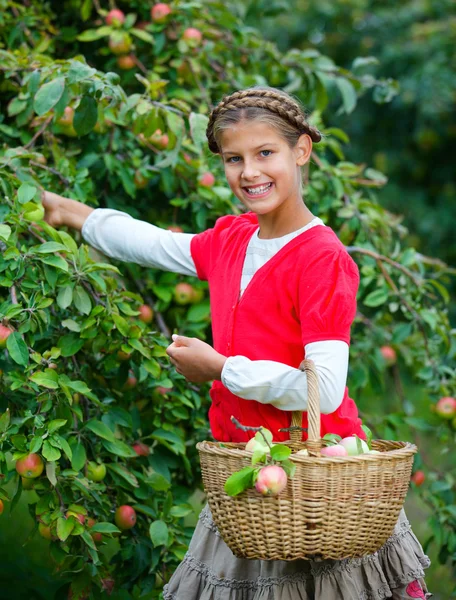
<point>210,571</point>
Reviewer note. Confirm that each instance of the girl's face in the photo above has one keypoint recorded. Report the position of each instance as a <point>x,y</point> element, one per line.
<point>262,170</point>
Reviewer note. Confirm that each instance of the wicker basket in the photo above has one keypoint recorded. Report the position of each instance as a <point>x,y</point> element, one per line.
<point>333,507</point>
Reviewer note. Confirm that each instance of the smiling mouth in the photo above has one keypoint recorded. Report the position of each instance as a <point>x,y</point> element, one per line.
<point>258,190</point>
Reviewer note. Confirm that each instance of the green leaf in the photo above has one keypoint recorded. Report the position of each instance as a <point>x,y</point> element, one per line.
<point>50,472</point>
<point>49,452</point>
<point>159,534</point>
<point>36,444</point>
<point>119,448</point>
<point>182,510</point>
<point>56,261</point>
<point>88,539</point>
<point>280,452</point>
<point>17,349</point>
<point>50,248</point>
<point>82,300</point>
<point>48,95</point>
<point>104,527</point>
<point>79,457</point>
<point>158,482</point>
<point>64,528</point>
<point>198,126</point>
<point>90,35</point>
<point>47,378</point>
<point>65,447</point>
<point>65,296</point>
<point>145,36</point>
<point>261,435</point>
<point>85,116</point>
<point>199,312</point>
<point>69,242</point>
<point>5,420</point>
<point>5,232</point>
<point>70,344</point>
<point>121,324</point>
<point>368,433</point>
<point>376,298</point>
<point>25,193</point>
<point>101,430</point>
<point>348,93</point>
<point>239,481</point>
<point>124,473</point>
<point>70,324</point>
<point>56,424</point>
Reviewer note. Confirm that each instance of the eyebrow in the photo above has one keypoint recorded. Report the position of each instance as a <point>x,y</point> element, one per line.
<point>257,148</point>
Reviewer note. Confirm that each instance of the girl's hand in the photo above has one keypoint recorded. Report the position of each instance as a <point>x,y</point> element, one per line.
<point>195,360</point>
<point>52,209</point>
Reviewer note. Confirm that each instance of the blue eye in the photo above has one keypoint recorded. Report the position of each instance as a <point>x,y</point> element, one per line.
<point>270,152</point>
<point>231,159</point>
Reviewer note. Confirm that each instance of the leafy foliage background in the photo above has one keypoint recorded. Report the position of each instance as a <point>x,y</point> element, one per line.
<point>65,391</point>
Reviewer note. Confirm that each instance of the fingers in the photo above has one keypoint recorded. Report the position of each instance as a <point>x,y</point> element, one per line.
<point>181,340</point>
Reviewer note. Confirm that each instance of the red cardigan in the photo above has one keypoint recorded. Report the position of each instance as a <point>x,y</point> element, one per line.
<point>305,293</point>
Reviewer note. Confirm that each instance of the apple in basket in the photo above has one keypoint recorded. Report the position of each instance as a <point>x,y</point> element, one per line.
<point>336,450</point>
<point>271,480</point>
<point>354,445</point>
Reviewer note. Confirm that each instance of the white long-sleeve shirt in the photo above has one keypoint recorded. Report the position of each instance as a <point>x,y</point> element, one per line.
<point>119,236</point>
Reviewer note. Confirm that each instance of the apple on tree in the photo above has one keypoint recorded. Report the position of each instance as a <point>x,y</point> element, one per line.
<point>115,17</point>
<point>97,536</point>
<point>95,472</point>
<point>192,36</point>
<point>66,120</point>
<point>30,466</point>
<point>207,180</point>
<point>2,506</point>
<point>389,355</point>
<point>146,314</point>
<point>418,478</point>
<point>160,12</point>
<point>183,293</point>
<point>125,517</point>
<point>141,449</point>
<point>5,332</point>
<point>446,407</point>
<point>120,44</point>
<point>126,62</point>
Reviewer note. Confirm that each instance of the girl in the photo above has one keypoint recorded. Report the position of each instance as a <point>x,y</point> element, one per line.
<point>282,287</point>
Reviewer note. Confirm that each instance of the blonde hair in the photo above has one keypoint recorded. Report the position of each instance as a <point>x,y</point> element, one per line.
<point>268,105</point>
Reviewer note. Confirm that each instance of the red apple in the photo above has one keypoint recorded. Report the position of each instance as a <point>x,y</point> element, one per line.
<point>159,140</point>
<point>67,118</point>
<point>418,478</point>
<point>160,12</point>
<point>192,36</point>
<point>146,313</point>
<point>446,407</point>
<point>175,228</point>
<point>336,450</point>
<point>120,44</point>
<point>125,517</point>
<point>141,449</point>
<point>107,585</point>
<point>30,467</point>
<point>5,332</point>
<point>389,355</point>
<point>97,537</point>
<point>131,381</point>
<point>115,17</point>
<point>45,531</point>
<point>126,61</point>
<point>121,355</point>
<point>207,180</point>
<point>271,480</point>
<point>2,506</point>
<point>183,293</point>
<point>140,181</point>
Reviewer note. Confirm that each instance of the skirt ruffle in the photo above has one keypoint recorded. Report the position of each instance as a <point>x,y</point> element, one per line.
<point>210,571</point>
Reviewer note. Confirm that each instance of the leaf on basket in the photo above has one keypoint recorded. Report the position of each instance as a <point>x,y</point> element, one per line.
<point>289,468</point>
<point>259,456</point>
<point>368,433</point>
<point>279,452</point>
<point>359,446</point>
<point>332,438</point>
<point>240,481</point>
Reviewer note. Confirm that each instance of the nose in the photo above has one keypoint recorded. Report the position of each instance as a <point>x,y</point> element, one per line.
<point>250,171</point>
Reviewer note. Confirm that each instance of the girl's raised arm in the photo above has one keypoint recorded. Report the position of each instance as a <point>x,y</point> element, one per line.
<point>122,237</point>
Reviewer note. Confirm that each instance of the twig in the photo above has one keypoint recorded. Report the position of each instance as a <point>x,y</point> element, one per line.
<point>13,295</point>
<point>247,428</point>
<point>356,249</point>
<point>39,132</point>
<point>62,504</point>
<point>51,170</point>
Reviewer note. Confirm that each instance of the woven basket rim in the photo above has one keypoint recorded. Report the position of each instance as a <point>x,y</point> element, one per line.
<point>407,449</point>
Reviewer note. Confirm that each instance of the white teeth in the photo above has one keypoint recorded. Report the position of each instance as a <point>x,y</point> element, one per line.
<point>259,190</point>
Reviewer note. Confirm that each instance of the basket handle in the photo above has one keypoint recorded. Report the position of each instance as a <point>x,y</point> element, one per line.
<point>313,411</point>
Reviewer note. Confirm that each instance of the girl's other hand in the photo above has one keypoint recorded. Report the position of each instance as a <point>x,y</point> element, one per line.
<point>195,360</point>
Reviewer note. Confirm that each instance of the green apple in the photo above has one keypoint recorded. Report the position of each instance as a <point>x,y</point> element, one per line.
<point>33,212</point>
<point>95,472</point>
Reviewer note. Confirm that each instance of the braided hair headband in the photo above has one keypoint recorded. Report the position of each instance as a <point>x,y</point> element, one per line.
<point>271,100</point>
